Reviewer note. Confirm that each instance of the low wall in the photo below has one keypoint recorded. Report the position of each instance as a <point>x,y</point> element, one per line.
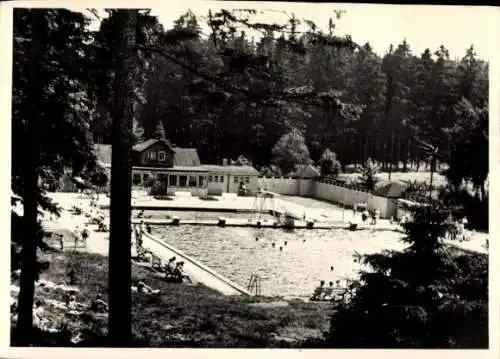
<point>280,185</point>
<point>329,191</point>
<point>348,197</point>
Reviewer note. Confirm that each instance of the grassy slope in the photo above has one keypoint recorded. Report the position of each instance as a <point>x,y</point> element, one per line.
<point>183,315</point>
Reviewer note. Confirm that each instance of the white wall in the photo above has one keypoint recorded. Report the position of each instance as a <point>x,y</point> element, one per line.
<point>329,192</point>
<point>348,196</point>
<point>280,185</point>
<point>306,187</point>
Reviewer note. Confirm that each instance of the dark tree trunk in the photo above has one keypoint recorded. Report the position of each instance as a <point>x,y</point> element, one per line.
<point>24,334</point>
<point>120,311</point>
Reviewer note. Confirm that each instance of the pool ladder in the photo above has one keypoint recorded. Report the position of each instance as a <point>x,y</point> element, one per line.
<point>254,285</point>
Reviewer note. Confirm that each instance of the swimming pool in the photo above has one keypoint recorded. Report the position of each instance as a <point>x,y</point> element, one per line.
<point>295,271</point>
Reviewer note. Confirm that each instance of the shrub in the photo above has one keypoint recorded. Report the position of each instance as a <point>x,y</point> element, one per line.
<point>330,165</point>
<point>426,296</point>
<point>368,174</point>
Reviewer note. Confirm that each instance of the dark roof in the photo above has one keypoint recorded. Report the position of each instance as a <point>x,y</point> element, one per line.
<point>141,146</point>
<point>239,170</point>
<point>171,169</point>
<point>394,189</point>
<point>103,153</point>
<point>186,157</point>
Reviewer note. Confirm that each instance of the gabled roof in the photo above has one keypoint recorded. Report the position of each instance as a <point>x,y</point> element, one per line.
<point>141,146</point>
<point>186,157</point>
<point>103,153</point>
<point>238,170</point>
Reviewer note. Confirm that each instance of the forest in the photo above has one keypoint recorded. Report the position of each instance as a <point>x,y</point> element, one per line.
<point>364,106</point>
<point>230,95</point>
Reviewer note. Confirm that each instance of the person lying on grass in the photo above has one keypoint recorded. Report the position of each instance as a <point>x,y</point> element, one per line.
<point>144,288</point>
<point>99,305</point>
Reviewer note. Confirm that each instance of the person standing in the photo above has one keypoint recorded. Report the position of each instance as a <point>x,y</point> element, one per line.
<point>364,215</point>
<point>85,235</point>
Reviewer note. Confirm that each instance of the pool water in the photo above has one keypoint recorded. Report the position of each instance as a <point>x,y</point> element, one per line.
<point>295,271</point>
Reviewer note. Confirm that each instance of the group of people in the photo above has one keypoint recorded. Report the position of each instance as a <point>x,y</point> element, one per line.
<point>330,292</point>
<point>374,214</point>
<point>457,228</point>
<point>98,305</point>
<point>173,271</point>
<point>80,234</point>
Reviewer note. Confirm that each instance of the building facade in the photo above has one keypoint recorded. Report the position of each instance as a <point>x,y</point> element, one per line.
<point>179,169</point>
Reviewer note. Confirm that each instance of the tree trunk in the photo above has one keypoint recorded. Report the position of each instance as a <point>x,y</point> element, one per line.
<point>432,166</point>
<point>24,327</point>
<point>391,153</point>
<point>120,301</point>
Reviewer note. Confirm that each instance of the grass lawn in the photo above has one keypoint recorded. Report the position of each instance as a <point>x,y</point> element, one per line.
<point>181,315</point>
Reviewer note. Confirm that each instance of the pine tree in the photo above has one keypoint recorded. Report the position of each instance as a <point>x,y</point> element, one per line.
<point>51,111</point>
<point>409,298</point>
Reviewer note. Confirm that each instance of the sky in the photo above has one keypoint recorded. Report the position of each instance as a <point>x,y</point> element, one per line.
<point>423,26</point>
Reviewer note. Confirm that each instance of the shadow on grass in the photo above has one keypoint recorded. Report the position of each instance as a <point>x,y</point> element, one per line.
<point>181,315</point>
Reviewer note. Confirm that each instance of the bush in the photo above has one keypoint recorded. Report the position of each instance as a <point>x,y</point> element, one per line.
<point>426,296</point>
<point>330,165</point>
<point>368,174</point>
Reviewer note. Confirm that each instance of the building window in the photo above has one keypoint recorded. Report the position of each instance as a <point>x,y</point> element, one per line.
<point>209,178</point>
<point>136,179</point>
<point>247,180</point>
<point>182,181</point>
<point>162,177</point>
<point>221,179</point>
<point>146,179</point>
<point>151,155</point>
<point>161,155</point>
<point>201,181</point>
<point>172,180</point>
<point>216,179</point>
<point>192,181</point>
<point>235,179</point>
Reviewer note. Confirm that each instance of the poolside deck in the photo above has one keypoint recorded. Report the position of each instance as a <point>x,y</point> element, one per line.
<point>241,222</point>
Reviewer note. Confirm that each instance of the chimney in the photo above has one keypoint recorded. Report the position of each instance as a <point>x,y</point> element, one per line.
<point>224,161</point>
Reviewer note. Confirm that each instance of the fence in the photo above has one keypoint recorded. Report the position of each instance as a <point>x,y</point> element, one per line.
<point>330,190</point>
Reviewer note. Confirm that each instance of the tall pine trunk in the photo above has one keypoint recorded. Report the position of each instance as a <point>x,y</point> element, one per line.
<point>24,334</point>
<point>120,300</point>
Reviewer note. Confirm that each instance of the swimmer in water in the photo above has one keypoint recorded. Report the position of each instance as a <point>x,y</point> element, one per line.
<point>281,248</point>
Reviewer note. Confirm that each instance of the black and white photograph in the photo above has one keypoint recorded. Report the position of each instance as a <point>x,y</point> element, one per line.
<point>211,174</point>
